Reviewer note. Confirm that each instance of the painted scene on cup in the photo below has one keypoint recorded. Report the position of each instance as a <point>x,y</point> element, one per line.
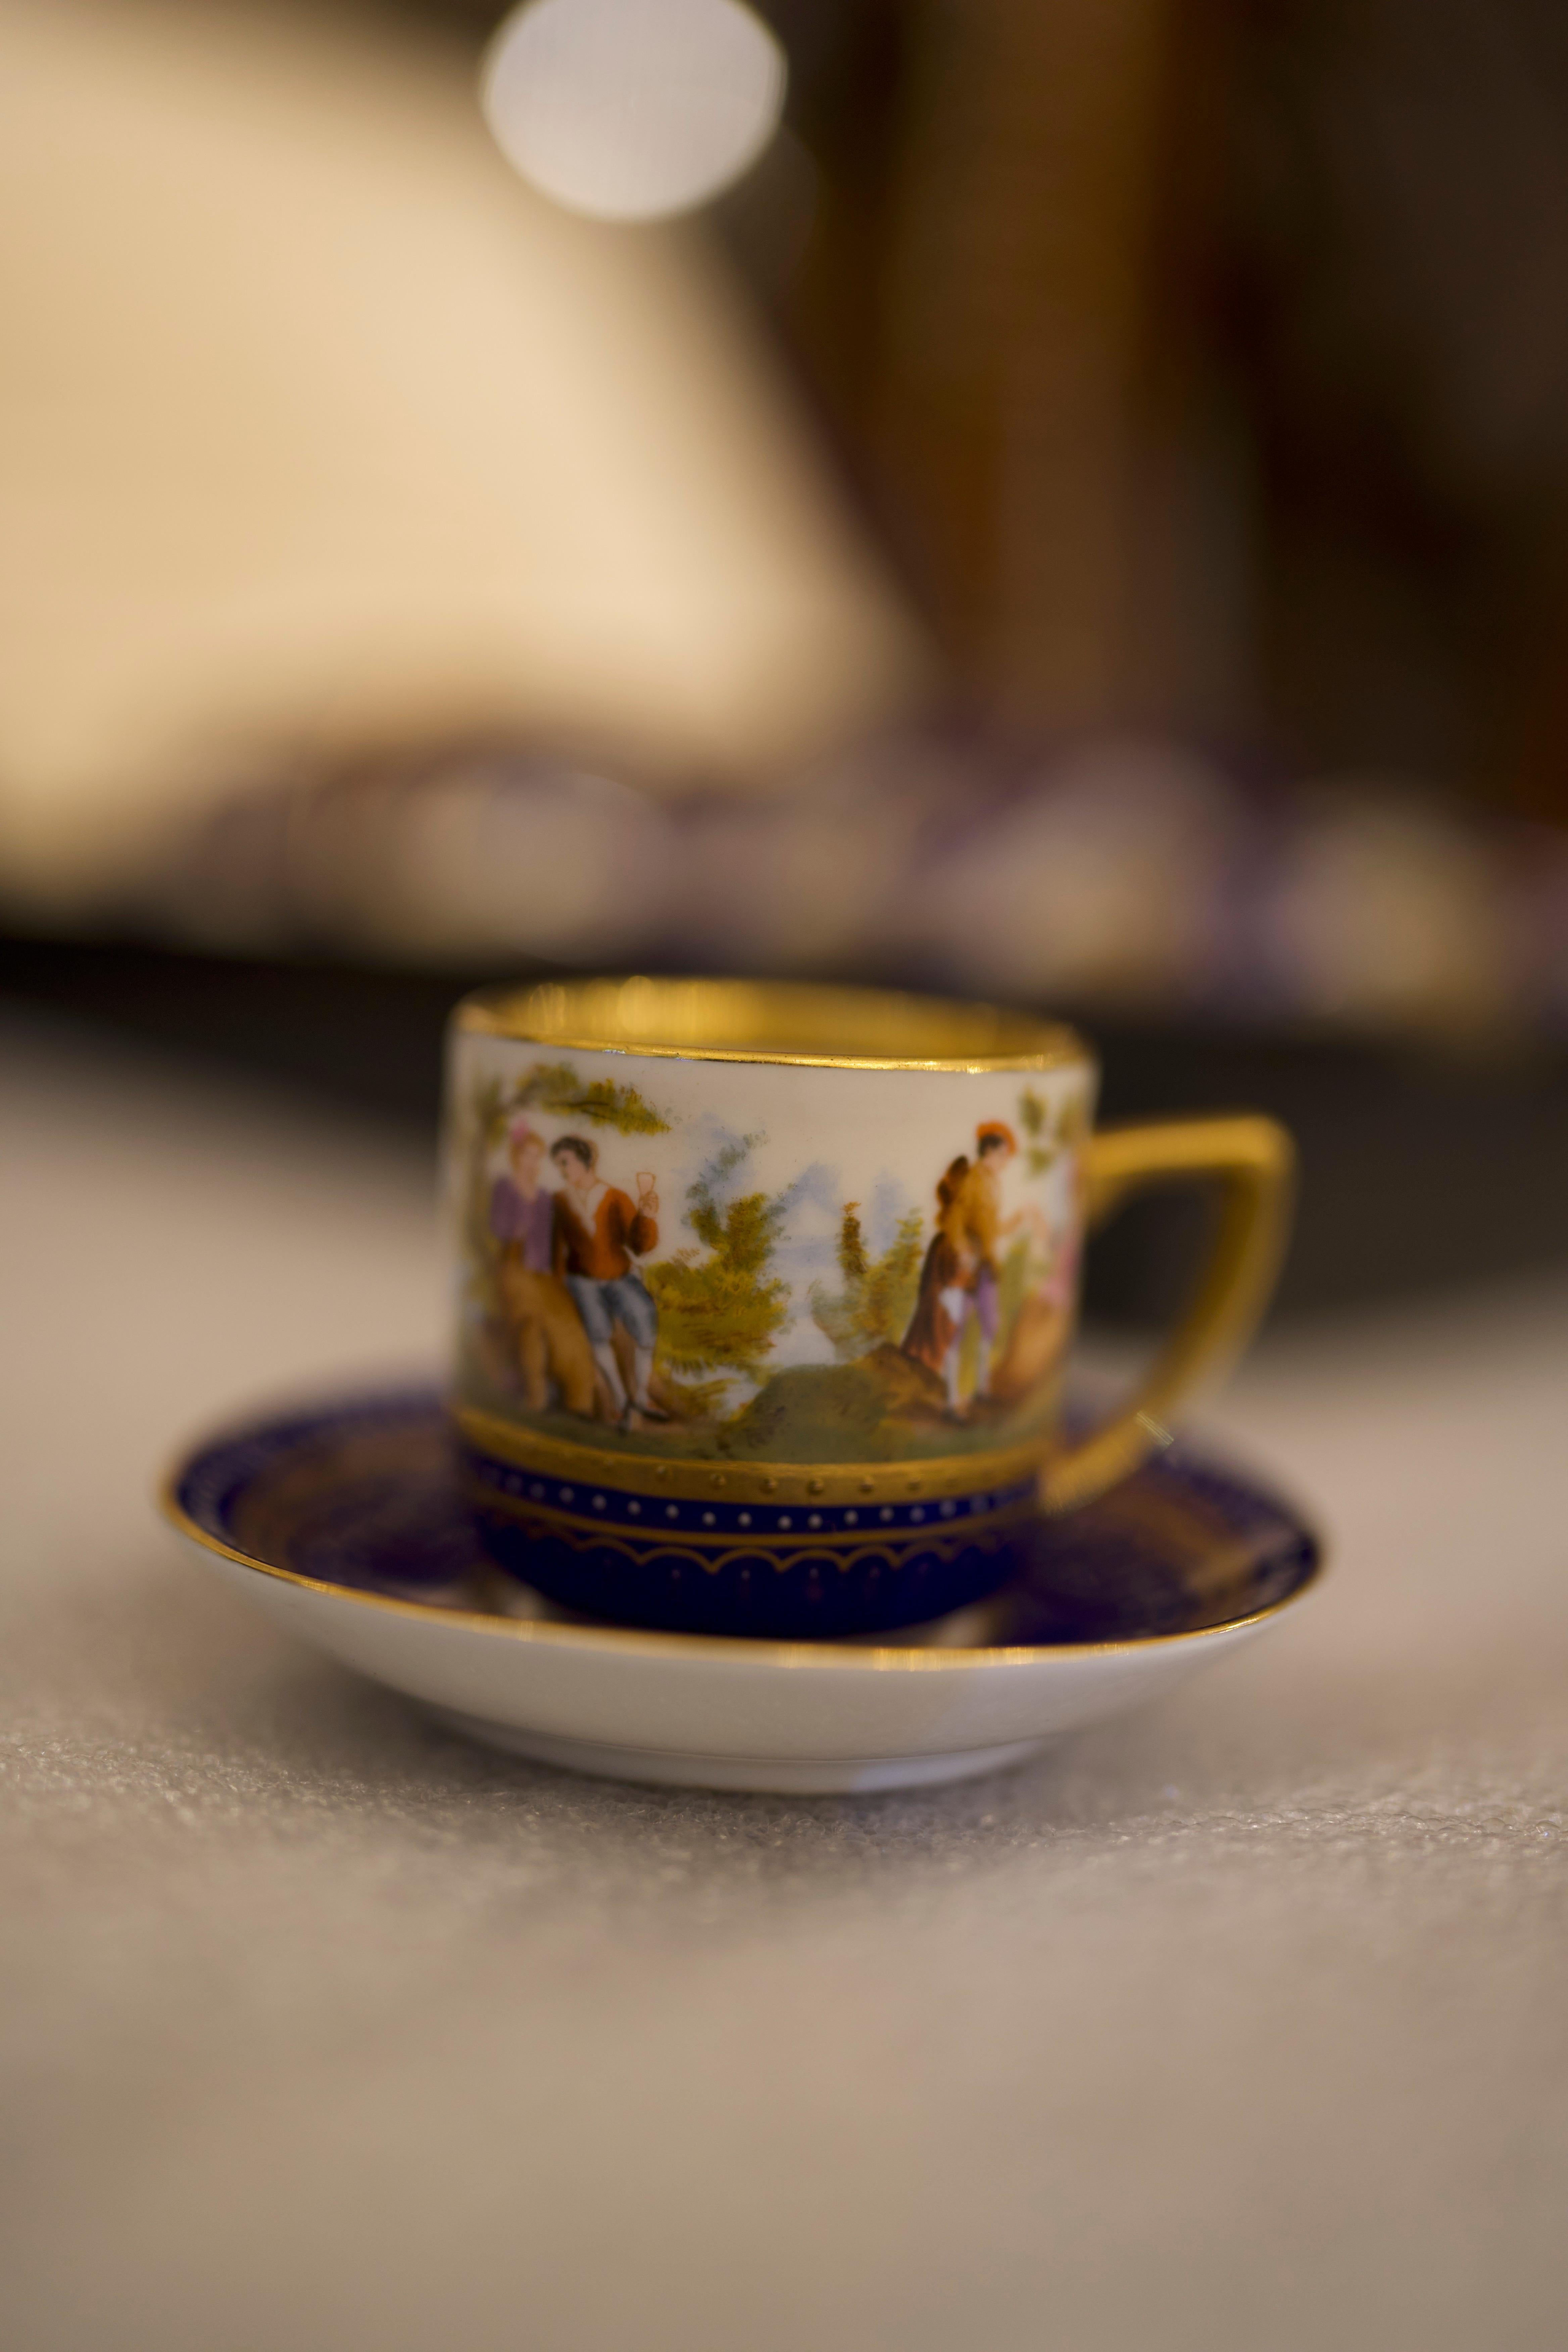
<point>634,1280</point>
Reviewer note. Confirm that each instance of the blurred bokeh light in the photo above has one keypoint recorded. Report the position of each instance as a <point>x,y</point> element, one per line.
<point>633,110</point>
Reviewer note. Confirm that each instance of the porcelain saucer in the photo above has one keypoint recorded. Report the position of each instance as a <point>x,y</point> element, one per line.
<point>342,1519</point>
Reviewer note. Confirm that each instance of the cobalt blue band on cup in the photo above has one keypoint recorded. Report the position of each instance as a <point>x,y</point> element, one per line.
<point>763,1293</point>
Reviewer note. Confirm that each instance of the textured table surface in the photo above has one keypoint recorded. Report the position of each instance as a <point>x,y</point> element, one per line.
<point>1243,2023</point>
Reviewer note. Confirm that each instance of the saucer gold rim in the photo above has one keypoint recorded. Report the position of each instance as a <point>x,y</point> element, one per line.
<point>732,1021</point>
<point>881,1657</point>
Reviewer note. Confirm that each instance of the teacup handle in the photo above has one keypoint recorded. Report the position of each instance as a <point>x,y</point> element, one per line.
<point>1253,1161</point>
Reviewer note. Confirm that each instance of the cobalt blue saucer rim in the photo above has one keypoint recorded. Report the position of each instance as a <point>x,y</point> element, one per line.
<point>217,1470</point>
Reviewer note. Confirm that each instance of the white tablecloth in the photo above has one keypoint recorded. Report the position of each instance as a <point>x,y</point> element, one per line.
<point>1242,2023</point>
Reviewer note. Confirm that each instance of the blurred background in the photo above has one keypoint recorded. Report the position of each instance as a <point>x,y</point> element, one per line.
<point>1057,499</point>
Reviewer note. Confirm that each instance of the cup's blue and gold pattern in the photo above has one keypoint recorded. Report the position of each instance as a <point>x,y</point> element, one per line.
<point>763,1293</point>
<point>807,1550</point>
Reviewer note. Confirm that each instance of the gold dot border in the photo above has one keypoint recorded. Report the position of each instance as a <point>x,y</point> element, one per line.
<point>834,1484</point>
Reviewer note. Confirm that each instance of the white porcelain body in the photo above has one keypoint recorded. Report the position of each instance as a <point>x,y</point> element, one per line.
<point>842,1158</point>
<point>730,1715</point>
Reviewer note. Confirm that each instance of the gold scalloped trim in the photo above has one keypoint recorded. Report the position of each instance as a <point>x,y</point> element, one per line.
<point>835,1485</point>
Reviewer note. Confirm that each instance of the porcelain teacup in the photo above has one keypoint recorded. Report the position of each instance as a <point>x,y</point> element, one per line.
<point>763,1293</point>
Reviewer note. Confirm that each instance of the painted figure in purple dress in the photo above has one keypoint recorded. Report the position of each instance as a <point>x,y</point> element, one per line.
<point>554,1360</point>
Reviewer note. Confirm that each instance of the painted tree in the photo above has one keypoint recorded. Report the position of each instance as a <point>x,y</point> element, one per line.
<point>1048,1134</point>
<point>720,1306</point>
<point>877,1295</point>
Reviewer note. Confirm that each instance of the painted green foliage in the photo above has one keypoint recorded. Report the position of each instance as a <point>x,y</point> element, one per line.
<point>1034,1118</point>
<point>878,1294</point>
<point>555,1087</point>
<point>1047,1136</point>
<point>722,1312</point>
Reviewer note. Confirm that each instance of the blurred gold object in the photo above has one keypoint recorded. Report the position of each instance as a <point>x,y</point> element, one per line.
<point>1253,1161</point>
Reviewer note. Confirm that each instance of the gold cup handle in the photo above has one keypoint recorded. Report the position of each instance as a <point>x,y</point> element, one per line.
<point>1252,1160</point>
